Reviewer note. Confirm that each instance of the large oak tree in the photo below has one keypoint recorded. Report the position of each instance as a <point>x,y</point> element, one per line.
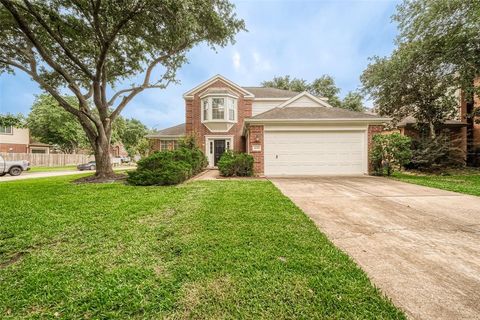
<point>447,32</point>
<point>401,86</point>
<point>437,53</point>
<point>88,46</point>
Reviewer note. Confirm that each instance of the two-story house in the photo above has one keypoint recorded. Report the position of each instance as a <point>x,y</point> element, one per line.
<point>17,140</point>
<point>287,133</point>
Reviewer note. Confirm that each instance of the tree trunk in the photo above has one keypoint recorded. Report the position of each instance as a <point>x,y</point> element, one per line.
<point>102,158</point>
<point>431,128</point>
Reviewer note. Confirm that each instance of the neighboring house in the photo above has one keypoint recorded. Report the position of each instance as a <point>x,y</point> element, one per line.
<point>118,150</point>
<point>287,133</point>
<point>463,130</point>
<point>17,140</point>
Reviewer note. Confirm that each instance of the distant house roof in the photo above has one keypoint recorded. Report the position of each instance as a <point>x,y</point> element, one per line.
<point>39,144</point>
<point>266,92</point>
<point>412,121</point>
<point>312,113</point>
<point>172,132</point>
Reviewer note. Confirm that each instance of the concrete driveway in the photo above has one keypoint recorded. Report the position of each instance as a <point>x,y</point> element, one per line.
<point>420,246</point>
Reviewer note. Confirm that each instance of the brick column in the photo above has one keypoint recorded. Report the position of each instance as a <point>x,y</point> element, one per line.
<point>255,138</point>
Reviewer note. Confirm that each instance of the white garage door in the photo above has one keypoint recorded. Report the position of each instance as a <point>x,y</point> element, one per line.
<point>314,152</point>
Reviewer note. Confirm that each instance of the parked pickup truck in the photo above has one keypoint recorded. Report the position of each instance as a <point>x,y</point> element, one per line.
<point>14,168</point>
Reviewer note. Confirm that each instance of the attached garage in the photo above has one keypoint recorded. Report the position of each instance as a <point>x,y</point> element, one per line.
<point>323,152</point>
<point>305,136</point>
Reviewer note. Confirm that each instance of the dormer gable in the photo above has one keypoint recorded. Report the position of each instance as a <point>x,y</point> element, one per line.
<point>190,94</point>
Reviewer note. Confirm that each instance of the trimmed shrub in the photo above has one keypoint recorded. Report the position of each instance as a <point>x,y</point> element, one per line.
<point>235,164</point>
<point>429,154</point>
<point>169,167</point>
<point>389,152</point>
<point>171,173</point>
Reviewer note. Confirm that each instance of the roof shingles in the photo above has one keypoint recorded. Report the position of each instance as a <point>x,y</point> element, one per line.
<point>292,113</point>
<point>266,92</point>
<point>175,131</point>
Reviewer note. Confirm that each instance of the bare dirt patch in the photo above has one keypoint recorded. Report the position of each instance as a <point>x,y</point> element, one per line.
<point>13,259</point>
<point>93,179</point>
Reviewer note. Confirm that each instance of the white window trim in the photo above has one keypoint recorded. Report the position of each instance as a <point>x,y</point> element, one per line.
<point>226,106</point>
<point>211,138</point>
<point>8,133</point>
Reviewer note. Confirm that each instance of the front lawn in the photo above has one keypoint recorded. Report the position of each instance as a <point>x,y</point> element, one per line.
<point>463,181</point>
<point>206,249</point>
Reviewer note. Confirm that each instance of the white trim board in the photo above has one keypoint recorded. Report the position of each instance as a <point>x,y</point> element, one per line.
<point>319,101</point>
<point>189,94</point>
<point>216,137</point>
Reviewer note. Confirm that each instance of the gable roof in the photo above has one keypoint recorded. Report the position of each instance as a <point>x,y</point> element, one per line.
<point>313,113</point>
<point>267,92</point>
<point>175,131</point>
<point>189,94</point>
<point>310,96</point>
<point>412,121</point>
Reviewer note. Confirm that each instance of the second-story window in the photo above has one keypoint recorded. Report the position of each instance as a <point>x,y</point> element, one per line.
<point>205,109</point>
<point>231,109</point>
<point>219,108</point>
<point>6,129</point>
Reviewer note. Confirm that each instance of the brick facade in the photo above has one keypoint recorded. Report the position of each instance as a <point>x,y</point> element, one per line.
<point>372,130</point>
<point>256,138</point>
<point>13,148</point>
<point>155,144</point>
<point>476,122</point>
<point>194,125</point>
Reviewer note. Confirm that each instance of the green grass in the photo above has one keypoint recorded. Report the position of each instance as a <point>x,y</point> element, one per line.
<point>463,181</point>
<point>204,250</point>
<point>49,169</point>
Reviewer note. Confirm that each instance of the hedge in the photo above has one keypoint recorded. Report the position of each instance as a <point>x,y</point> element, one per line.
<point>169,167</point>
<point>235,164</point>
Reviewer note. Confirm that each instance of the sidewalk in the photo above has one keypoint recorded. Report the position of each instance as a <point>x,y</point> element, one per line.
<point>35,175</point>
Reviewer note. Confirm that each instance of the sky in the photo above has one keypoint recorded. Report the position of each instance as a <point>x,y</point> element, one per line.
<point>303,39</point>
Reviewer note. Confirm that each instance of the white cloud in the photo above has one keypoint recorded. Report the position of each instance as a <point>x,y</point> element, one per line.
<point>304,39</point>
<point>236,61</point>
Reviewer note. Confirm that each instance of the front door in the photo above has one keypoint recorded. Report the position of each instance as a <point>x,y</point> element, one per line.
<point>218,150</point>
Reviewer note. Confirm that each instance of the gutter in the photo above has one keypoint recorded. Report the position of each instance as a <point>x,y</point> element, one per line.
<point>314,121</point>
<point>163,136</point>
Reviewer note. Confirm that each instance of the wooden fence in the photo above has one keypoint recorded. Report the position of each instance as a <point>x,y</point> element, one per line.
<point>49,160</point>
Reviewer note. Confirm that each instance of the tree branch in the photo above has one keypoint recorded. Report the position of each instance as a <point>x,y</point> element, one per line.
<point>58,39</point>
<point>15,64</point>
<point>24,26</point>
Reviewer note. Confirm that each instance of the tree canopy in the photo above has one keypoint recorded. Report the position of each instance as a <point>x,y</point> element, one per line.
<point>353,101</point>
<point>437,53</point>
<point>324,86</point>
<point>11,120</point>
<point>132,134</point>
<point>402,86</point>
<point>50,123</point>
<point>89,47</point>
<point>287,83</point>
<point>447,32</point>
